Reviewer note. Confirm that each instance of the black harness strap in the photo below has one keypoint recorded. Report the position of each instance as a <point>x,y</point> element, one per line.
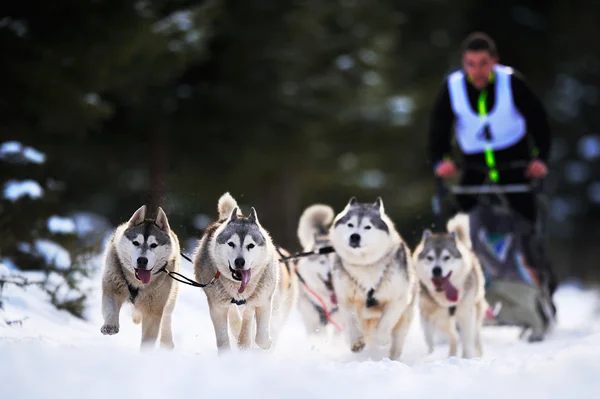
<point>320,251</point>
<point>371,300</point>
<point>238,302</point>
<point>322,315</point>
<point>185,280</point>
<point>282,255</point>
<point>133,292</point>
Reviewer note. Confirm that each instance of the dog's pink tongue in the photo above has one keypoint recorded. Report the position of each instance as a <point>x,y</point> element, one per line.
<point>450,291</point>
<point>334,299</point>
<point>245,280</point>
<point>144,276</point>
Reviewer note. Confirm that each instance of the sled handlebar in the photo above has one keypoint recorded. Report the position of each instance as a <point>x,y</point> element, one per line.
<point>503,167</point>
<point>492,189</point>
<point>486,188</point>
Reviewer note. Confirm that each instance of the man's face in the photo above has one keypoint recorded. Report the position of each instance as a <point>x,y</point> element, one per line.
<point>478,65</point>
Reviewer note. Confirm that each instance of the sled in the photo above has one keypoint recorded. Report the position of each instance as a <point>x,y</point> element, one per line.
<point>519,292</point>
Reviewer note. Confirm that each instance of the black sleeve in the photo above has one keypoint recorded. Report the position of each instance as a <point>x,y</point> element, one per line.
<point>440,126</point>
<point>532,109</point>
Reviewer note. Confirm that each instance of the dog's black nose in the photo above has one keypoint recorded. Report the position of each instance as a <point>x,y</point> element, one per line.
<point>355,238</point>
<point>142,261</point>
<point>436,271</point>
<point>239,263</point>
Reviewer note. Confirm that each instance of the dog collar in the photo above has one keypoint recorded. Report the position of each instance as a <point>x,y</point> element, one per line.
<point>133,291</point>
<point>238,302</point>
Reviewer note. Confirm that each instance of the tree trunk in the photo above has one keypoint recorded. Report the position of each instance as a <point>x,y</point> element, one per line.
<point>282,202</point>
<point>157,166</point>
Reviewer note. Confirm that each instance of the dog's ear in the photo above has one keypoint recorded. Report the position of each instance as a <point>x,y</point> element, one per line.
<point>138,216</point>
<point>253,216</point>
<point>234,214</point>
<point>379,205</point>
<point>161,221</point>
<point>426,235</point>
<point>351,203</point>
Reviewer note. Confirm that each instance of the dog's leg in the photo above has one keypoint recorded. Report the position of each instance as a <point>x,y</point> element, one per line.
<point>338,318</point>
<point>235,321</point>
<point>466,322</point>
<point>150,327</point>
<point>111,307</point>
<point>400,331</point>
<point>428,330</point>
<point>309,314</point>
<point>392,312</point>
<point>245,338</point>
<point>480,317</point>
<point>218,315</point>
<point>263,326</point>
<point>166,332</point>
<point>355,335</point>
<point>452,333</point>
<point>478,345</point>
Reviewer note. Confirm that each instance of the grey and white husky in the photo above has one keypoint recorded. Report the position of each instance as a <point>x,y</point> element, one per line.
<point>240,254</point>
<point>316,271</point>
<point>374,277</point>
<point>133,259</point>
<point>452,287</point>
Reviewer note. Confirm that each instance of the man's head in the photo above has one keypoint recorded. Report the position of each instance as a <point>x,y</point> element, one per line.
<point>479,56</point>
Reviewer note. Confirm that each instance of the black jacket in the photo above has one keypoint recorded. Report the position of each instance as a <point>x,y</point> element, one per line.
<point>527,103</point>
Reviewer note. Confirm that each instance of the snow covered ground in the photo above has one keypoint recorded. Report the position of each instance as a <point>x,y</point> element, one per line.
<point>54,355</point>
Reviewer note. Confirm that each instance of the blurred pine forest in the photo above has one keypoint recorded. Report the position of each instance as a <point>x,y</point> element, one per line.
<point>107,105</point>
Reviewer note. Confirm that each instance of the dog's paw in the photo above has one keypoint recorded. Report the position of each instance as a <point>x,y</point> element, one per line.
<point>358,345</point>
<point>395,353</point>
<point>109,329</point>
<point>244,343</point>
<point>468,353</point>
<point>263,342</point>
<point>383,338</point>
<point>430,349</point>
<point>223,347</point>
<point>535,338</point>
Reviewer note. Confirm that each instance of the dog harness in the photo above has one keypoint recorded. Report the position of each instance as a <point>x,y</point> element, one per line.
<point>133,291</point>
<point>371,301</point>
<point>451,309</point>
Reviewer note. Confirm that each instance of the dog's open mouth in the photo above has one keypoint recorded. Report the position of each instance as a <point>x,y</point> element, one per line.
<point>443,284</point>
<point>333,299</point>
<point>143,275</point>
<point>241,275</point>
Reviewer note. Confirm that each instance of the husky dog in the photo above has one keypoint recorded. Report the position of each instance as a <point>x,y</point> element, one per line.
<point>374,277</point>
<point>316,271</point>
<point>452,287</point>
<point>239,253</point>
<point>136,254</point>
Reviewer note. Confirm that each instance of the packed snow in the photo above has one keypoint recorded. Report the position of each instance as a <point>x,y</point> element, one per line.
<point>50,354</point>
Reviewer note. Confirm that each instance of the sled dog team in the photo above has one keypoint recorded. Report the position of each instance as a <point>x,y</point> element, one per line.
<point>369,287</point>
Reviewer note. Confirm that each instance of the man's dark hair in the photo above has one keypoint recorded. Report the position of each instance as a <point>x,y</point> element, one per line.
<point>479,41</point>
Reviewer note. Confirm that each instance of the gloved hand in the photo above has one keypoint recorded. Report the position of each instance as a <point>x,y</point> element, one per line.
<point>446,169</point>
<point>536,169</point>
